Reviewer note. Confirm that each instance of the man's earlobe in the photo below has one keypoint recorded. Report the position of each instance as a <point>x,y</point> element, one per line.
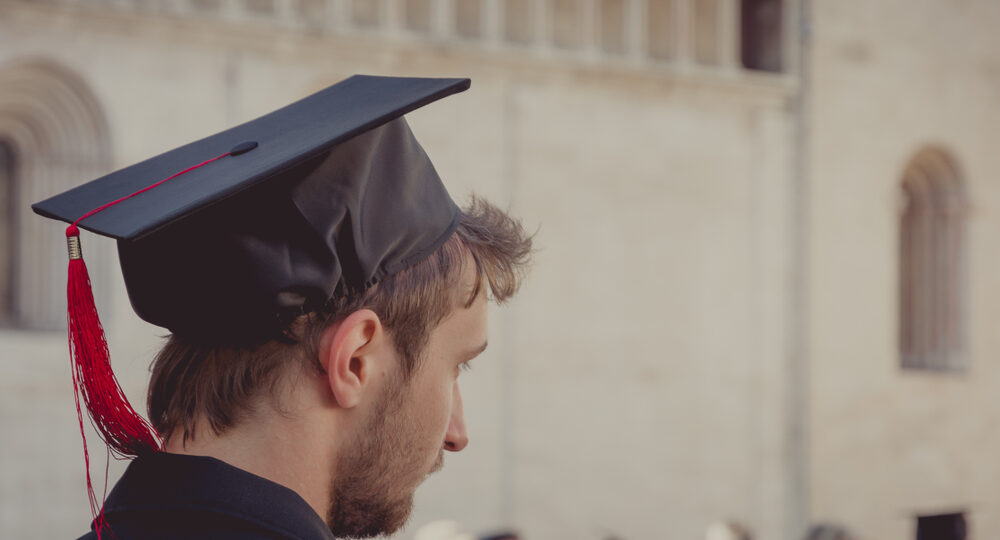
<point>345,352</point>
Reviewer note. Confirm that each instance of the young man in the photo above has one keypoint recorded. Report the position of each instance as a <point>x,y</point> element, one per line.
<point>323,294</point>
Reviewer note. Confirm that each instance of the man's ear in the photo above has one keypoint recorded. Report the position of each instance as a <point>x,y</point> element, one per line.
<point>346,355</point>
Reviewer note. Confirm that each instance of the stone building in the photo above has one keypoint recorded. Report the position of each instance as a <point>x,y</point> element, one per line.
<point>763,291</point>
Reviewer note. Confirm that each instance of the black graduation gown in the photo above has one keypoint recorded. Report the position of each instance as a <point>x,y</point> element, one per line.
<point>170,496</point>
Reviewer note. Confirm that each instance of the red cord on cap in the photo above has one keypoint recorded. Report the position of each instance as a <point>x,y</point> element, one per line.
<point>125,432</point>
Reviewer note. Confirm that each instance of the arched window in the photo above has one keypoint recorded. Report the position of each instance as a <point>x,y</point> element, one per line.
<point>931,266</point>
<point>53,136</point>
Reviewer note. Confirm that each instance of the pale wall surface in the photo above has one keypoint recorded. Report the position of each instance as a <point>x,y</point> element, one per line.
<point>646,343</point>
<point>887,79</point>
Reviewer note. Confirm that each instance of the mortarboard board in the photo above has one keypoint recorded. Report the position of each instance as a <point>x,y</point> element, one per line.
<point>329,193</point>
<point>226,238</point>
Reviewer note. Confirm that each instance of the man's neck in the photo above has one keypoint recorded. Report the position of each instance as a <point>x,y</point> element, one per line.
<point>271,446</point>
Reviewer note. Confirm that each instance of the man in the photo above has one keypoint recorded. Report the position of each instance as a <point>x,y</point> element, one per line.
<point>323,294</point>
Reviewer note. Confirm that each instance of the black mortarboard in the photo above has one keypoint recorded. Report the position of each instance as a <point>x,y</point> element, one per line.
<point>329,194</point>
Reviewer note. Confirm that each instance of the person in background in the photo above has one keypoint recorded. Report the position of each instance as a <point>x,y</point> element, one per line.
<point>502,535</point>
<point>828,532</point>
<point>728,530</point>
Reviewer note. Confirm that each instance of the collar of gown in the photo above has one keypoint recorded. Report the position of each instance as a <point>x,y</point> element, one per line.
<point>173,481</point>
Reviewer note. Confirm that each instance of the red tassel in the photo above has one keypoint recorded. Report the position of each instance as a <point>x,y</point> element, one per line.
<point>124,431</point>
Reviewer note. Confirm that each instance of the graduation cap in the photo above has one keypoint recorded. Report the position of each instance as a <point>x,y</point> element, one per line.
<point>227,239</point>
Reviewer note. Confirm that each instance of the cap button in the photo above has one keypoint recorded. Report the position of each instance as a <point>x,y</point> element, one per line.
<point>243,148</point>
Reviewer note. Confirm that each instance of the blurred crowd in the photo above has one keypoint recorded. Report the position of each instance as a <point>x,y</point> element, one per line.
<point>726,530</point>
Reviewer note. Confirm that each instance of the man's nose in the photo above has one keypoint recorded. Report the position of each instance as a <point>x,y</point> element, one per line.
<point>456,439</point>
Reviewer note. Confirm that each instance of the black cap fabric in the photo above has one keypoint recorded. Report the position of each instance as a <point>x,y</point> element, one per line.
<point>330,194</point>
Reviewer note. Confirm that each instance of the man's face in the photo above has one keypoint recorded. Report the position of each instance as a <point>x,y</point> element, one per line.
<point>410,429</point>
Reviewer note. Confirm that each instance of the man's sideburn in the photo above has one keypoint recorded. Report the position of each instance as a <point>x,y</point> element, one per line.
<point>366,496</point>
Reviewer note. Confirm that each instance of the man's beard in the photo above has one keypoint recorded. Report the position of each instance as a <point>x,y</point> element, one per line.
<point>368,497</point>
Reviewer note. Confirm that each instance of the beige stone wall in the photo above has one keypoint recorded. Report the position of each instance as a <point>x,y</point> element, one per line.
<point>887,79</point>
<point>647,342</point>
<point>637,388</point>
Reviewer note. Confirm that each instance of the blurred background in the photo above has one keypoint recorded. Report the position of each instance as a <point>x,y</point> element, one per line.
<point>764,301</point>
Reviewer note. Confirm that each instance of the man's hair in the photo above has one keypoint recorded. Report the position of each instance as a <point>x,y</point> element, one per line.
<point>222,384</point>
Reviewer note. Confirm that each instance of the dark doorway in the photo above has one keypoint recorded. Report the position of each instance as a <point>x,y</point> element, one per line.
<point>761,34</point>
<point>941,527</point>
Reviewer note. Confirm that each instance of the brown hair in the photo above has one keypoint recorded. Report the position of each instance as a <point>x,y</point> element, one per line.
<point>222,384</point>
